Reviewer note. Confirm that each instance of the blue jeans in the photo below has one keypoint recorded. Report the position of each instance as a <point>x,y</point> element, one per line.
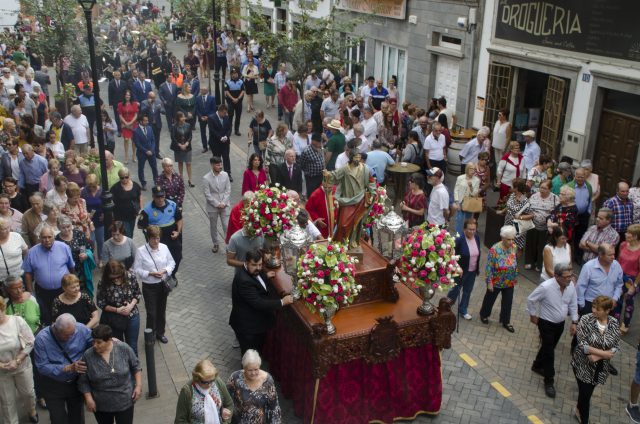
<point>97,237</point>
<point>142,158</point>
<point>129,226</point>
<point>461,216</point>
<point>466,284</point>
<point>132,332</point>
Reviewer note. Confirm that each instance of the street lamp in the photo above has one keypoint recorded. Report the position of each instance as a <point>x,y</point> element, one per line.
<point>106,197</point>
<point>216,73</point>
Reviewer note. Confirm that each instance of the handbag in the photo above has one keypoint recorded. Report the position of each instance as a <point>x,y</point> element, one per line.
<point>523,225</point>
<point>472,204</point>
<point>5,264</point>
<point>114,320</point>
<point>169,282</point>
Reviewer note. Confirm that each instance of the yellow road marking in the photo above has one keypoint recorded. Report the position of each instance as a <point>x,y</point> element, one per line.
<point>534,419</point>
<point>500,389</point>
<point>466,358</point>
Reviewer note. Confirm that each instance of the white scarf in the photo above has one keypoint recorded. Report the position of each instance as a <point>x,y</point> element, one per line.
<point>210,408</point>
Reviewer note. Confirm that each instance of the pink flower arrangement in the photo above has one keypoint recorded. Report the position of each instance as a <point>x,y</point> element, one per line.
<point>271,213</point>
<point>326,276</point>
<point>378,207</point>
<point>429,258</point>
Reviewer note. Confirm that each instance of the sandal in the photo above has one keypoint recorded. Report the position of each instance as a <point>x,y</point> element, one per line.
<point>509,328</point>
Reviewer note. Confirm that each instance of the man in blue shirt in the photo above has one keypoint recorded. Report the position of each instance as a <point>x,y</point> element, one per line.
<point>378,161</point>
<point>46,264</point>
<point>31,169</point>
<point>531,149</point>
<point>583,192</point>
<point>58,350</point>
<point>378,95</point>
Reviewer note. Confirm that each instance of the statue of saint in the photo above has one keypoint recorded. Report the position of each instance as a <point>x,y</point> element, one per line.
<point>354,192</point>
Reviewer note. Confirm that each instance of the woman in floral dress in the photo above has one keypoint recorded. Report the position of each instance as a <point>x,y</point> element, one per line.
<point>502,277</point>
<point>254,393</point>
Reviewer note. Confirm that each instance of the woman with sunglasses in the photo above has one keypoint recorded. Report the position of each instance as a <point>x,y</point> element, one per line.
<point>204,398</point>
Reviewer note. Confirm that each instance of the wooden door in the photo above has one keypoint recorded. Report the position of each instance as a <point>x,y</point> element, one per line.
<point>616,150</point>
<point>553,116</point>
<point>498,92</point>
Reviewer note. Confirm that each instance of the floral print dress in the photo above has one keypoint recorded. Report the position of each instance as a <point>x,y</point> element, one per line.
<point>254,406</point>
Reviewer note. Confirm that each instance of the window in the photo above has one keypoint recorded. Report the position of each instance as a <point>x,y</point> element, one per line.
<point>391,61</point>
<point>356,63</point>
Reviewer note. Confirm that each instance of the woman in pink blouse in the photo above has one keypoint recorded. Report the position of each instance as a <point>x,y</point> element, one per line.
<point>255,175</point>
<point>629,258</point>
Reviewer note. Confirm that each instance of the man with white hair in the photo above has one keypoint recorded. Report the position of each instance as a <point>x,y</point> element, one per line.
<point>58,359</point>
<point>32,168</point>
<point>45,264</point>
<point>7,78</point>
<point>472,149</point>
<point>369,124</point>
<point>80,127</point>
<point>361,141</point>
<point>113,167</point>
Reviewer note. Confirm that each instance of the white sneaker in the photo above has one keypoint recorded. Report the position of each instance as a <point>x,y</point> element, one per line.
<point>467,316</point>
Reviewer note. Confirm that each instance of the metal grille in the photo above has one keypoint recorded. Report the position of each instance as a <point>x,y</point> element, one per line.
<point>553,116</point>
<point>498,92</point>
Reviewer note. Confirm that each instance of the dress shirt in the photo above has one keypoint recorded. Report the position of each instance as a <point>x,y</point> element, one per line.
<point>622,212</point>
<point>470,151</point>
<point>531,154</point>
<point>161,259</point>
<point>312,162</point>
<point>48,266</point>
<point>598,236</point>
<point>378,161</point>
<point>551,304</point>
<point>435,147</point>
<point>593,281</point>
<point>50,360</point>
<point>370,128</point>
<point>217,189</point>
<point>32,170</point>
<point>583,198</point>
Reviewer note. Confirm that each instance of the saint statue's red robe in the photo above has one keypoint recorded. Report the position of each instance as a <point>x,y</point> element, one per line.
<point>235,220</point>
<point>317,207</point>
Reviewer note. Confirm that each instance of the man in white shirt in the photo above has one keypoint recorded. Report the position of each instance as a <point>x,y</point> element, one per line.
<point>361,141</point>
<point>472,149</point>
<point>80,128</point>
<point>548,306</point>
<point>369,124</point>
<point>365,91</point>
<point>531,150</point>
<point>442,108</point>
<point>330,106</point>
<point>217,192</point>
<point>435,149</point>
<point>9,80</point>
<point>438,211</point>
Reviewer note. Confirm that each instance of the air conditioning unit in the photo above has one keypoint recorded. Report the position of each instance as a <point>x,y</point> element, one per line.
<point>573,145</point>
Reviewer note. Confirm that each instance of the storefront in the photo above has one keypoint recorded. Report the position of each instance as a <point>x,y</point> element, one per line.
<point>561,71</point>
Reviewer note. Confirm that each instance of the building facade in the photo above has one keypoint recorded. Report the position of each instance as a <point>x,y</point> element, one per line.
<point>570,70</point>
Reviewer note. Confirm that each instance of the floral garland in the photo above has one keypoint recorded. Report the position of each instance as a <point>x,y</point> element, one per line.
<point>378,206</point>
<point>270,213</point>
<point>429,258</point>
<point>327,276</point>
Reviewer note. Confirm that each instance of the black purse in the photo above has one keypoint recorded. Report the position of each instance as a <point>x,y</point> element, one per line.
<point>114,320</point>
<point>169,282</point>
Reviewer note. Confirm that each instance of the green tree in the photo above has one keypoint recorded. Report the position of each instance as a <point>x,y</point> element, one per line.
<point>314,43</point>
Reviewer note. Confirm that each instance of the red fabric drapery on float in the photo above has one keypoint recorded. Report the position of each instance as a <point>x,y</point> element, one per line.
<point>355,392</point>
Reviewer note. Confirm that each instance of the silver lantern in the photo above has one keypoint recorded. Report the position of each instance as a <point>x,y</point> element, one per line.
<point>293,244</point>
<point>391,231</point>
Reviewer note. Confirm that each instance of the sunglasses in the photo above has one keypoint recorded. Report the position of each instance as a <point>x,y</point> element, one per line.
<point>126,177</point>
<point>207,381</point>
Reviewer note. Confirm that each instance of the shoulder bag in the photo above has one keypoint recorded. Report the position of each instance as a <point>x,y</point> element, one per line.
<point>472,204</point>
<point>5,265</point>
<point>169,282</point>
<point>523,225</point>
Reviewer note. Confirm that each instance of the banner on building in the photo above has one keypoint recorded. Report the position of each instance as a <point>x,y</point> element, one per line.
<point>600,27</point>
<point>396,9</point>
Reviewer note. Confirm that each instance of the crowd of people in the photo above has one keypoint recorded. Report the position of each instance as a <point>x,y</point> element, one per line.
<point>82,338</point>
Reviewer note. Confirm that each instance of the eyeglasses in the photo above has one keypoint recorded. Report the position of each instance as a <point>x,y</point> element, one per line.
<point>124,177</point>
<point>206,381</point>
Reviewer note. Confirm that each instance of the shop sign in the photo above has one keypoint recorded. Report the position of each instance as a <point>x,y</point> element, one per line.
<point>396,9</point>
<point>599,27</point>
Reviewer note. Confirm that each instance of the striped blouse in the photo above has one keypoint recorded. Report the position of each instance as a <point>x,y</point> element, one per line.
<point>589,335</point>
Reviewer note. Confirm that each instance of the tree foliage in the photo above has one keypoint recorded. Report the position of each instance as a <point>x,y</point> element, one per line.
<point>314,42</point>
<point>195,14</point>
